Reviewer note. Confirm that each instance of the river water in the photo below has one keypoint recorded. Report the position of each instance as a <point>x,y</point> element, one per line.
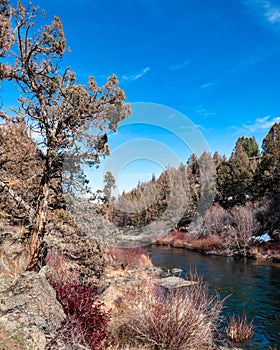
<point>251,286</point>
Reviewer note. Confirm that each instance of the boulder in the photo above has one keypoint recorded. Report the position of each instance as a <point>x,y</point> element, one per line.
<point>173,282</point>
<point>14,252</point>
<point>30,311</point>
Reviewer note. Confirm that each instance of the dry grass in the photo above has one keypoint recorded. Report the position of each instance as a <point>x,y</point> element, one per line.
<point>176,239</point>
<point>129,257</point>
<point>206,244</point>
<point>151,318</point>
<point>239,329</point>
<point>11,341</point>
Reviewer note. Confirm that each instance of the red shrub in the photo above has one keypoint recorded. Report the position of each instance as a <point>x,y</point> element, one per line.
<point>129,257</point>
<point>86,322</point>
<point>175,238</point>
<point>178,235</point>
<point>61,267</point>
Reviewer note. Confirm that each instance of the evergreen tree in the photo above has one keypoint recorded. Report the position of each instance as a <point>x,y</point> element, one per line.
<point>110,185</point>
<point>217,158</point>
<point>208,179</point>
<point>249,145</point>
<point>224,190</point>
<point>20,165</point>
<point>268,175</point>
<point>235,178</point>
<point>63,112</point>
<point>242,175</point>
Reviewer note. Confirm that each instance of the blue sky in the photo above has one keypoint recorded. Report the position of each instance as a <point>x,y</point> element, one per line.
<point>215,61</point>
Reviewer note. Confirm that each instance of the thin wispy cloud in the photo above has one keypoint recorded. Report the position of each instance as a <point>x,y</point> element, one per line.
<point>178,66</point>
<point>271,12</point>
<point>254,59</point>
<point>202,112</point>
<point>269,9</point>
<point>273,15</point>
<point>207,85</point>
<point>260,124</point>
<point>137,75</point>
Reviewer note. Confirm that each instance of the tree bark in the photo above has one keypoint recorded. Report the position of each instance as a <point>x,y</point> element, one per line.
<point>38,229</point>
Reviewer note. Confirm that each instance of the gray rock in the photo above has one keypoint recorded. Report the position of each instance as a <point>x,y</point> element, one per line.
<point>30,310</point>
<point>174,282</point>
<point>176,271</point>
<point>13,252</point>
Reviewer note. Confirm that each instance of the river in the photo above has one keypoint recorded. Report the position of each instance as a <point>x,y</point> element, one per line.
<point>251,286</point>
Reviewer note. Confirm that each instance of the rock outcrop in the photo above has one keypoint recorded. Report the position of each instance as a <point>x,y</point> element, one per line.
<point>13,251</point>
<point>29,311</point>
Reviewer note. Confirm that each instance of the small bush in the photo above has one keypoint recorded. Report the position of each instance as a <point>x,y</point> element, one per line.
<point>208,243</point>
<point>239,329</point>
<point>86,322</point>
<point>129,257</point>
<point>217,221</point>
<point>244,226</point>
<point>61,268</point>
<point>181,319</point>
<point>178,235</point>
<point>235,226</point>
<point>176,238</point>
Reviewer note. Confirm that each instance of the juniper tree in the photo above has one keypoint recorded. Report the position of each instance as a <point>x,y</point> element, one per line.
<point>20,166</point>
<point>67,117</point>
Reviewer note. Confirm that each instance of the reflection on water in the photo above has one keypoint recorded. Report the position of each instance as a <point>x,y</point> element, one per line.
<point>251,286</point>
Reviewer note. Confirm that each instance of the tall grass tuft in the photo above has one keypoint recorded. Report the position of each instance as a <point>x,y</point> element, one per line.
<point>178,319</point>
<point>239,329</point>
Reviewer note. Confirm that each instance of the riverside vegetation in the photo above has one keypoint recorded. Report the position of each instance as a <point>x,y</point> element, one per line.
<point>60,288</point>
<point>244,218</point>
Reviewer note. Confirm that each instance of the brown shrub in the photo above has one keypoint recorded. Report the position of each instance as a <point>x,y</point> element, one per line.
<point>216,221</point>
<point>239,329</point>
<point>129,257</point>
<point>208,243</point>
<point>235,227</point>
<point>244,226</point>
<point>180,319</point>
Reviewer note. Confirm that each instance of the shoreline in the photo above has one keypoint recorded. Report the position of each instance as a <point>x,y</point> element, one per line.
<point>261,252</point>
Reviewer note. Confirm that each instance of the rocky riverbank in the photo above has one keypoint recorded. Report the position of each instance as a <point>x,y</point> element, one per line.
<point>31,315</point>
<point>123,282</point>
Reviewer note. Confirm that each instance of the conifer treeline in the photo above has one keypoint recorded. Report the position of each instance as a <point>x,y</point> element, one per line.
<point>248,175</point>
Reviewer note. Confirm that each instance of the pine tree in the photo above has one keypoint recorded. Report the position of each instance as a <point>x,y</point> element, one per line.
<point>235,178</point>
<point>224,190</point>
<point>268,175</point>
<point>241,174</point>
<point>110,185</point>
<point>250,146</point>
